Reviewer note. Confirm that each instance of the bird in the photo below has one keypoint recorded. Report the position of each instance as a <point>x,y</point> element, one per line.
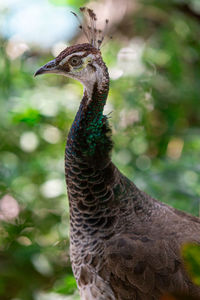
<point>124,244</point>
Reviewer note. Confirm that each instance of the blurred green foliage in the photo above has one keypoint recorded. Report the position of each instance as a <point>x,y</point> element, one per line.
<point>191,255</point>
<point>155,121</point>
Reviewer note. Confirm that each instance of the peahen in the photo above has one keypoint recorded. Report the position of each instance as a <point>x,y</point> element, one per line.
<point>123,243</point>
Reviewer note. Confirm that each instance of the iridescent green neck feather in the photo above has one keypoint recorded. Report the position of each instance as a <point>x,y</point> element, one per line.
<point>89,136</point>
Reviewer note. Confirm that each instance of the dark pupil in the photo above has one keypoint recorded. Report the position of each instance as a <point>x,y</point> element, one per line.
<point>75,61</point>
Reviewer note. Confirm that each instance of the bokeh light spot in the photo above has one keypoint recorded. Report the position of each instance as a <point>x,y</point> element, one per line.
<point>175,147</point>
<point>52,188</point>
<point>9,208</point>
<point>143,162</point>
<point>29,141</point>
<point>42,264</point>
<point>51,134</point>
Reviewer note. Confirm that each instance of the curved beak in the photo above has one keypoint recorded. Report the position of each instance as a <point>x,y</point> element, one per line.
<point>50,67</point>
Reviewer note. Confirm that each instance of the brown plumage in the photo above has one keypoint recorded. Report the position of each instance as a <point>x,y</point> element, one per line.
<point>177,297</point>
<point>123,243</point>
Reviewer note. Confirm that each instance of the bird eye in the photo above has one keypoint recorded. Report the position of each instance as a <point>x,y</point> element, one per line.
<point>75,61</point>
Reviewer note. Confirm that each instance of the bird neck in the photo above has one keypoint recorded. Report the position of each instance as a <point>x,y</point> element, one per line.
<point>88,167</point>
<point>88,135</point>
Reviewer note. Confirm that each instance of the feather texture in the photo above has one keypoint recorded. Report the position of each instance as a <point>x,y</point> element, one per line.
<point>120,237</point>
<point>124,245</point>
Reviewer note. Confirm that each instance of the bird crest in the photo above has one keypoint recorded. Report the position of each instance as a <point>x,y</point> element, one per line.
<point>94,36</point>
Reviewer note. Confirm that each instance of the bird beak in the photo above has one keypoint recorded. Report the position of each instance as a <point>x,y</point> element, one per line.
<point>50,67</point>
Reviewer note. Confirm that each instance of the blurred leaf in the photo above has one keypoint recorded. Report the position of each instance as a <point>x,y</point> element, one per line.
<point>191,255</point>
<point>30,116</point>
<point>66,286</point>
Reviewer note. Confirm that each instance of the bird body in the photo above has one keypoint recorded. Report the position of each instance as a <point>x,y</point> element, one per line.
<point>123,243</point>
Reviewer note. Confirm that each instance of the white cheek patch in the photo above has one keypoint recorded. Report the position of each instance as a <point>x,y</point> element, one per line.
<point>87,76</point>
<point>64,60</point>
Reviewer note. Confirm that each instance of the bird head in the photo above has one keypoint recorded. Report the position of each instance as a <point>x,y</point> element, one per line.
<point>82,62</point>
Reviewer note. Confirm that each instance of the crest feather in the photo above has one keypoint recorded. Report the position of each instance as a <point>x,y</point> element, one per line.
<point>94,36</point>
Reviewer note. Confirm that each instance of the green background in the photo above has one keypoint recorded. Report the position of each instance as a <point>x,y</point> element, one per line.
<point>154,63</point>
